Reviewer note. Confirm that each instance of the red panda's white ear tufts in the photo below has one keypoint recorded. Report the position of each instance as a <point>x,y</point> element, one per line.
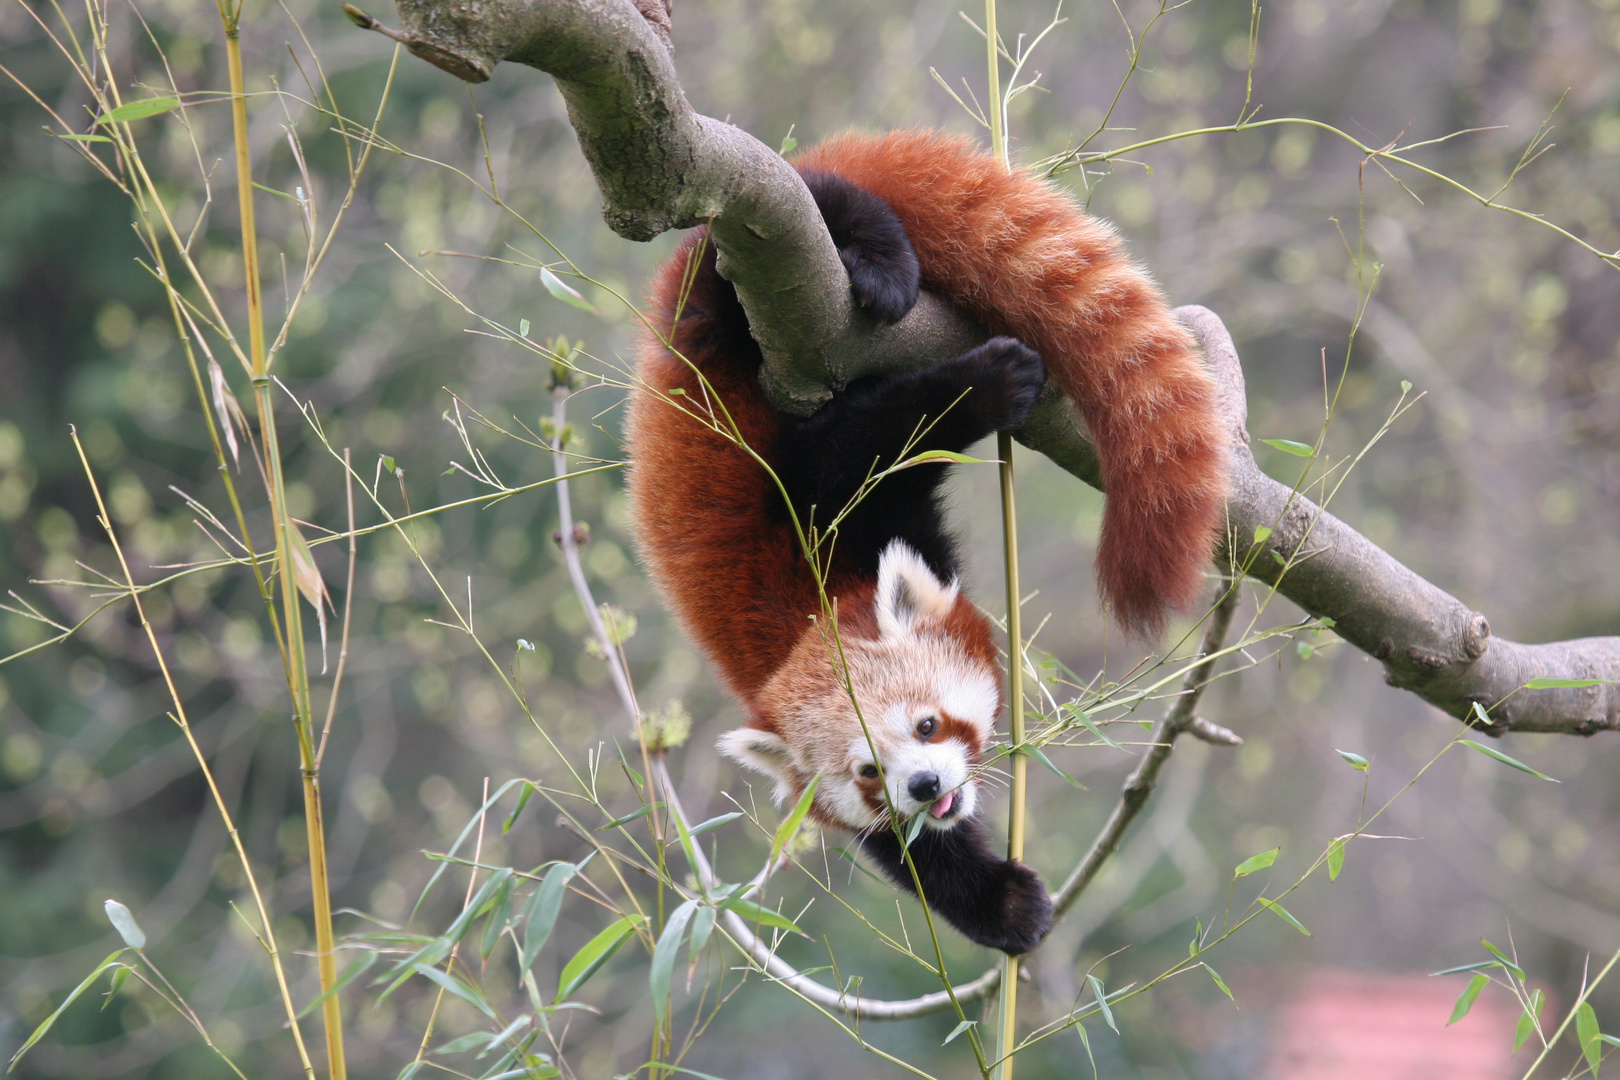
<point>908,593</point>
<point>764,751</point>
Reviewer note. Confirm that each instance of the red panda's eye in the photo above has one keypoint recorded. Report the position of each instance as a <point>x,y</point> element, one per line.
<point>925,726</point>
<point>869,771</point>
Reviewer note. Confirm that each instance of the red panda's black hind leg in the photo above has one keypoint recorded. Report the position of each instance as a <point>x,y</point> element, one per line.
<point>824,459</point>
<point>996,902</point>
<point>871,242</point>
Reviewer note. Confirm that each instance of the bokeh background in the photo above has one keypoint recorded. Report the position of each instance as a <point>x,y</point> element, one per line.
<point>1502,486</point>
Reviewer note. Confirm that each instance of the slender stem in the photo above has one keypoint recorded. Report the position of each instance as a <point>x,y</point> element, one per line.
<point>998,137</point>
<point>1007,1032</point>
<point>297,667</point>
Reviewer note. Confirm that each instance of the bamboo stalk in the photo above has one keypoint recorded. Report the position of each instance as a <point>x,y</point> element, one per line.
<point>296,663</point>
<point>1007,1029</point>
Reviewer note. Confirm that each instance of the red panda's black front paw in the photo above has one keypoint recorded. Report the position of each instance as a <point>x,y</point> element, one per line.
<point>1006,376</point>
<point>1025,915</point>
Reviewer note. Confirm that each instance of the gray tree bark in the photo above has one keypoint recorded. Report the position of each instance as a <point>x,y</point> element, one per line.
<point>663,166</point>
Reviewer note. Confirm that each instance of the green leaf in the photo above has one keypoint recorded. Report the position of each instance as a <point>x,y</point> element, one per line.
<point>50,1021</point>
<point>628,818</point>
<point>1527,1020</point>
<point>85,138</point>
<point>1219,982</point>
<point>138,110</point>
<point>702,927</point>
<point>663,959</point>
<point>957,1030</point>
<point>1356,761</point>
<point>1283,914</point>
<point>1256,862</point>
<point>1077,713</point>
<point>1102,1002</point>
<point>1289,446</point>
<point>1197,938</point>
<point>1261,533</point>
<point>1566,684</point>
<point>500,913</point>
<point>120,976</point>
<point>356,968</point>
<point>789,143</point>
<point>125,924</point>
<point>414,1067</point>
<point>594,954</point>
<point>478,1040</point>
<point>1480,966</point>
<point>1586,1030</point>
<point>929,457</point>
<point>762,915</point>
<point>914,827</point>
<point>559,288</point>
<point>1466,1000</point>
<point>1305,649</point>
<point>1040,755</point>
<point>715,822</point>
<point>790,824</point>
<point>541,914</point>
<point>528,788</point>
<point>523,328</point>
<point>455,986</point>
<point>1497,755</point>
<point>1406,386</point>
<point>1502,956</point>
<point>1335,859</point>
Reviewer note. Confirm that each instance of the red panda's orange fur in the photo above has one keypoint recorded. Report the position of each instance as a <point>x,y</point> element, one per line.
<point>1020,256</point>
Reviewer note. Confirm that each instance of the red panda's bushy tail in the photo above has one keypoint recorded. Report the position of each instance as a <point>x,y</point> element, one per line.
<point>1019,255</point>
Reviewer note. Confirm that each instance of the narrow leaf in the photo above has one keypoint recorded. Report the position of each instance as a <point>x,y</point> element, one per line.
<point>1548,683</point>
<point>702,927</point>
<point>762,915</point>
<point>593,955</point>
<point>559,288</point>
<point>1466,1000</point>
<point>663,960</point>
<point>1586,1031</point>
<point>523,796</point>
<point>627,819</point>
<point>455,986</point>
<point>85,138</point>
<point>356,968</point>
<point>1261,533</point>
<point>1102,1002</point>
<point>915,827</point>
<point>541,914</point>
<point>1497,755</point>
<point>1335,859</point>
<point>50,1021</point>
<point>125,924</point>
<point>1289,446</point>
<point>1220,982</point>
<point>929,457</point>
<point>138,110</point>
<point>1503,957</point>
<point>1527,1020</point>
<point>1040,755</point>
<point>500,913</point>
<point>120,976</point>
<point>1283,914</point>
<point>790,824</point>
<point>1090,725</point>
<point>1256,862</point>
<point>478,1040</point>
<point>957,1030</point>
<point>1356,761</point>
<point>715,822</point>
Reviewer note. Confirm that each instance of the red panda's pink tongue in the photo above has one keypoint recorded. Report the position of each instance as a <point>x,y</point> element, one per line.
<point>942,806</point>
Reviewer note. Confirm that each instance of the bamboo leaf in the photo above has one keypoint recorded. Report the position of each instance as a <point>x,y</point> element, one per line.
<point>357,967</point>
<point>930,457</point>
<point>455,986</point>
<point>628,818</point>
<point>1466,999</point>
<point>500,913</point>
<point>50,1021</point>
<point>541,914</point>
<point>1527,1020</point>
<point>762,915</point>
<point>1335,859</point>
<point>138,110</point>
<point>125,924</point>
<point>715,822</point>
<point>1355,761</point>
<point>1081,715</point>
<point>1503,957</point>
<point>1586,1030</point>
<point>663,960</point>
<point>523,796</point>
<point>559,288</point>
<point>1289,446</point>
<point>790,824</point>
<point>957,1030</point>
<point>1262,533</point>
<point>83,138</point>
<point>1040,755</point>
<point>1256,862</point>
<point>1548,683</point>
<point>1219,982</point>
<point>1497,755</point>
<point>1284,914</point>
<point>1102,1002</point>
<point>594,954</point>
<point>702,927</point>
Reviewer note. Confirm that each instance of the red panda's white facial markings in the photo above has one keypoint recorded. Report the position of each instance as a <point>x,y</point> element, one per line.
<point>928,703</point>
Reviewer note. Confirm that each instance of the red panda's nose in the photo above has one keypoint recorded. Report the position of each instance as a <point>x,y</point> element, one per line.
<point>924,787</point>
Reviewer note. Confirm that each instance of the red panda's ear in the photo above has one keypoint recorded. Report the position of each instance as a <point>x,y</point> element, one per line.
<point>764,751</point>
<point>908,593</point>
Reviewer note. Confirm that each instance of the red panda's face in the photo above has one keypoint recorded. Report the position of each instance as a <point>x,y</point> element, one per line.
<point>910,727</point>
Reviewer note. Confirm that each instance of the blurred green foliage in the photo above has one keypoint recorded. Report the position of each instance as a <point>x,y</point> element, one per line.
<point>1503,487</point>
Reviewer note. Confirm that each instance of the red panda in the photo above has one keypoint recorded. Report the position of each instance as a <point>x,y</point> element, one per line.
<point>909,210</point>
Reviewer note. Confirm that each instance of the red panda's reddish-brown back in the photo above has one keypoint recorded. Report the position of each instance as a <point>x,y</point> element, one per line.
<point>706,515</point>
<point>1020,256</point>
